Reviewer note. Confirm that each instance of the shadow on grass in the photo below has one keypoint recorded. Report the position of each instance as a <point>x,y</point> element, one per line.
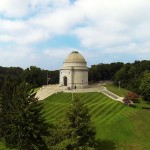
<point>105,145</point>
<point>148,102</point>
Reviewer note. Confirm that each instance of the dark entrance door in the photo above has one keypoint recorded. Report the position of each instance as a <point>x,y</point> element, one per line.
<point>65,81</point>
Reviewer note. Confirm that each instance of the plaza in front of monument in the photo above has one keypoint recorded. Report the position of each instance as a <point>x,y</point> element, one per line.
<point>74,79</point>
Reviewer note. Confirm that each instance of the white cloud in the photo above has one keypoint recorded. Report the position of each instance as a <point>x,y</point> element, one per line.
<point>21,8</point>
<point>59,54</point>
<point>97,36</point>
<point>112,23</point>
<point>60,20</point>
<point>15,56</point>
<point>21,32</point>
<point>137,51</point>
<point>43,25</point>
<point>8,26</point>
<point>118,26</point>
<point>142,31</point>
<point>15,8</point>
<point>5,38</point>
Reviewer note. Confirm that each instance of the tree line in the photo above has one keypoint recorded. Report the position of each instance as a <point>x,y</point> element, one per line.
<point>32,75</point>
<point>102,71</point>
<point>133,76</point>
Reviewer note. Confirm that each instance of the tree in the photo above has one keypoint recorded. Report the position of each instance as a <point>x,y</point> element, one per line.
<point>75,131</point>
<point>131,98</point>
<point>35,76</point>
<point>23,126</point>
<point>131,75</point>
<point>38,77</point>
<point>145,86</point>
<point>7,112</point>
<point>10,72</point>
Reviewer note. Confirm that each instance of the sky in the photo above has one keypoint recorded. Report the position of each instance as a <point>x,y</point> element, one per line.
<point>43,32</point>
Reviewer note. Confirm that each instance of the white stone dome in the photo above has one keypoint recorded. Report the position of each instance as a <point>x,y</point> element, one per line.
<point>75,57</point>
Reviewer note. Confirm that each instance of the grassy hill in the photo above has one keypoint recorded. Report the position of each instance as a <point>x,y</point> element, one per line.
<point>118,126</point>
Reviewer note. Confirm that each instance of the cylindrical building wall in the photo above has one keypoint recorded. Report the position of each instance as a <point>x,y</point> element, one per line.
<point>80,79</point>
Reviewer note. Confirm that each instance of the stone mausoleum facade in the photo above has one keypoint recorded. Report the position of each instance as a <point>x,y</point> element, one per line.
<point>74,73</point>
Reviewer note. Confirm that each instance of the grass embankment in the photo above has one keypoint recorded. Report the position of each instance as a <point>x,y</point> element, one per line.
<point>118,126</point>
<point>120,92</point>
<point>3,147</point>
<point>36,89</point>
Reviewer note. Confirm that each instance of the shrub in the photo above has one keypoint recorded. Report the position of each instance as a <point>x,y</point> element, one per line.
<point>127,101</point>
<point>132,96</point>
<point>136,101</point>
<point>145,107</point>
<point>132,105</point>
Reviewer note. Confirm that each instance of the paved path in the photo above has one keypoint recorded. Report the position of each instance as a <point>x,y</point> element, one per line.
<point>112,95</point>
<point>48,90</point>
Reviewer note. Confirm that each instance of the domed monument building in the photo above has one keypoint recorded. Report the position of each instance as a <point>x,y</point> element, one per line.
<point>74,73</point>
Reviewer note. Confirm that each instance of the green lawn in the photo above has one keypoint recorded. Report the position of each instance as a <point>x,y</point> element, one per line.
<point>36,89</point>
<point>118,126</point>
<point>3,147</point>
<point>120,92</point>
<point>142,103</point>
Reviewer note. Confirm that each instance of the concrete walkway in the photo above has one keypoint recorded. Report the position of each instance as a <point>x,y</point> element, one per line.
<point>112,95</point>
<point>48,90</point>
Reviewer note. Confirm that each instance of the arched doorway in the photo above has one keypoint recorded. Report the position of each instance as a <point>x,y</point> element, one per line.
<point>65,81</point>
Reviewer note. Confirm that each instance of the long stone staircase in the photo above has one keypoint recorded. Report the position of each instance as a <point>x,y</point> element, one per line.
<point>112,95</point>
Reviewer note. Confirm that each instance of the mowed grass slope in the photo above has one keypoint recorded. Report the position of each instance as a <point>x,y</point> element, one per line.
<point>115,89</point>
<point>102,108</point>
<point>118,126</point>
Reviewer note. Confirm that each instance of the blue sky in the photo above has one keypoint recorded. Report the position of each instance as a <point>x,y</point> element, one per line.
<point>44,32</point>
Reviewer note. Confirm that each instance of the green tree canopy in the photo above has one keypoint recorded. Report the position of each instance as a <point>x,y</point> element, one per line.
<point>22,123</point>
<point>75,131</point>
<point>145,86</point>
